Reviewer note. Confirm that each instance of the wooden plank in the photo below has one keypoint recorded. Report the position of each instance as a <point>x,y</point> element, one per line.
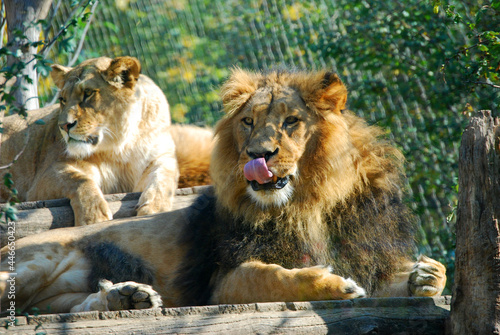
<point>360,316</point>
<point>38,216</point>
<point>476,293</point>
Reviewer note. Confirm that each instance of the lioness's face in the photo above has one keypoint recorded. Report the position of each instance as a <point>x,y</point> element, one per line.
<point>272,130</point>
<point>93,100</point>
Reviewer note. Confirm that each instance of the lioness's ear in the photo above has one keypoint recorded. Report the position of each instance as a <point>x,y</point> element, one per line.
<point>238,89</point>
<point>123,72</point>
<point>333,94</point>
<point>58,74</point>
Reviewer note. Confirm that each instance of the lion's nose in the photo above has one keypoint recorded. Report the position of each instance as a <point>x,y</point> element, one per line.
<point>67,126</point>
<point>267,154</point>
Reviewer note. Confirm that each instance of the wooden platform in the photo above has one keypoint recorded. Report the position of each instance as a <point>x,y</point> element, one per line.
<point>37,216</point>
<point>361,316</point>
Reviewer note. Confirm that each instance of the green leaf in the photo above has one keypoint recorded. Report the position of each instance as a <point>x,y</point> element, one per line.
<point>483,48</point>
<point>10,212</point>
<point>40,121</point>
<point>111,25</point>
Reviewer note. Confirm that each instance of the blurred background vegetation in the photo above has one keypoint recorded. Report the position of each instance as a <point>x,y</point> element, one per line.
<point>416,68</point>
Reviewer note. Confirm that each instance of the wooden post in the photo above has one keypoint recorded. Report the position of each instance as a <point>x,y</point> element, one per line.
<point>475,305</point>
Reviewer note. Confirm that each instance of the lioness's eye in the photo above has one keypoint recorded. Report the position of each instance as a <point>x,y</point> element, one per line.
<point>248,121</point>
<point>62,101</point>
<point>87,94</point>
<point>291,120</point>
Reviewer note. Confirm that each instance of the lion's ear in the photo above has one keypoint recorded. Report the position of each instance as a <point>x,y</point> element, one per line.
<point>333,94</point>
<point>238,89</point>
<point>123,72</point>
<point>58,74</point>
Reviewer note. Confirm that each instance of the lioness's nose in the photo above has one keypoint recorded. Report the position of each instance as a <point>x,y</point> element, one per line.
<point>67,126</point>
<point>262,153</point>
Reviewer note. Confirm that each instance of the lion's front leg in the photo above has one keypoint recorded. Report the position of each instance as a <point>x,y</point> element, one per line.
<point>258,282</point>
<point>120,296</point>
<point>158,184</point>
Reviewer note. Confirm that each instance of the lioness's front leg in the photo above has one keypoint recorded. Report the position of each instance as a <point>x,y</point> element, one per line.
<point>158,184</point>
<point>78,183</point>
<point>258,282</point>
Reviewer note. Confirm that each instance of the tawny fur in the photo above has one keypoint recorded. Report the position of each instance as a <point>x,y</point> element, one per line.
<point>108,135</point>
<point>193,147</point>
<point>342,208</point>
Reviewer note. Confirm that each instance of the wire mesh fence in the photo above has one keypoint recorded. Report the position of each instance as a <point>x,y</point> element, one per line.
<point>387,53</point>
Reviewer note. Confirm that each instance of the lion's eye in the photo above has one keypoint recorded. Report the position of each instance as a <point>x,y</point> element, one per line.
<point>87,94</point>
<point>248,121</point>
<point>291,120</point>
<point>62,101</point>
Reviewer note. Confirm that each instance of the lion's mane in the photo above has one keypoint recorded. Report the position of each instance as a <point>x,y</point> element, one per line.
<point>347,210</point>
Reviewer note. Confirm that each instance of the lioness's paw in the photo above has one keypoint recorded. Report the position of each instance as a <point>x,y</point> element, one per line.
<point>150,204</point>
<point>427,278</point>
<point>130,295</point>
<point>89,212</point>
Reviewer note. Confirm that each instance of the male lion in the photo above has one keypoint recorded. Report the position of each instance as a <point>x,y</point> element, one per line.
<point>305,196</point>
<point>109,134</point>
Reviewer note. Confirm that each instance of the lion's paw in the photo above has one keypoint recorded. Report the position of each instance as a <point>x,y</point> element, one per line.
<point>326,285</point>
<point>427,278</point>
<point>353,290</point>
<point>130,295</point>
<point>120,296</point>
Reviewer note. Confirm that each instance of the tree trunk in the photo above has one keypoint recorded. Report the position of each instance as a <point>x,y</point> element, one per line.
<point>476,293</point>
<point>22,15</point>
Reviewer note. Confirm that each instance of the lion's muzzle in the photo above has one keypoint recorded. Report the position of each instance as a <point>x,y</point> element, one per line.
<point>261,178</point>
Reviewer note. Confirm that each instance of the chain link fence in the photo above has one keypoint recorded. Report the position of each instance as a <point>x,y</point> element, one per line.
<point>388,55</point>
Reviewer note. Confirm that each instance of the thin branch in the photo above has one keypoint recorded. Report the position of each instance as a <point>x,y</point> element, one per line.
<point>483,83</point>
<point>52,16</point>
<point>84,33</point>
<point>47,47</point>
<point>54,99</point>
<point>26,139</point>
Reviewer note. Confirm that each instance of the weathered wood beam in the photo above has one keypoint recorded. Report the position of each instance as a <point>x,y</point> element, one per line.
<point>38,216</point>
<point>361,316</point>
<point>476,293</point>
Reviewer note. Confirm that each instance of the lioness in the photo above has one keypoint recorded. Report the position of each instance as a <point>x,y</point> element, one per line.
<point>306,206</point>
<point>109,134</point>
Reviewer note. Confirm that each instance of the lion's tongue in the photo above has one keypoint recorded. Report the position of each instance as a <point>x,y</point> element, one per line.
<point>257,170</point>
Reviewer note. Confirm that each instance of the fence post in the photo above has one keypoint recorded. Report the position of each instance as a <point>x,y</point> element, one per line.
<point>475,306</point>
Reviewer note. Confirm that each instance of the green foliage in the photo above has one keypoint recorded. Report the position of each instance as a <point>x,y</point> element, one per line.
<point>479,55</point>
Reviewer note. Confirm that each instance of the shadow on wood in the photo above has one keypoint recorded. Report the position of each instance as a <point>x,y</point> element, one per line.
<point>361,316</point>
<point>38,216</point>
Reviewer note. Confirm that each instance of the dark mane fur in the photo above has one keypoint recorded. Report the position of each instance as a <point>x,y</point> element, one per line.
<point>382,226</point>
